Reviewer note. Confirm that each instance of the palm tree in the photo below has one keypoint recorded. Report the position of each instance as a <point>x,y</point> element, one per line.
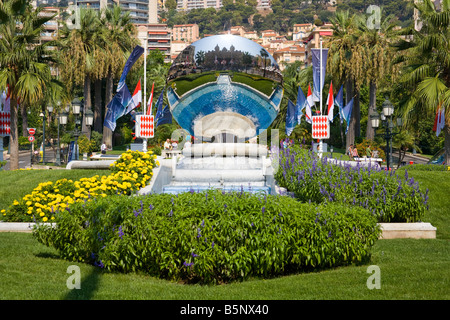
<point>80,54</point>
<point>425,64</point>
<point>118,40</point>
<point>346,63</point>
<point>24,62</point>
<point>376,46</point>
<point>264,55</point>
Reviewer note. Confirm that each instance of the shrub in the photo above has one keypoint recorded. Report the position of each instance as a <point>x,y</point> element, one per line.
<point>85,144</point>
<point>128,174</point>
<point>393,198</point>
<point>424,167</point>
<point>373,146</point>
<point>211,237</point>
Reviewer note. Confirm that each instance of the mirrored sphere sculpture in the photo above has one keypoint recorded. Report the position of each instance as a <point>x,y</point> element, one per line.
<point>224,88</point>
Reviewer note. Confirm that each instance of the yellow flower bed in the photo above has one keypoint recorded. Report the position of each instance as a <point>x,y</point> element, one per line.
<point>132,171</point>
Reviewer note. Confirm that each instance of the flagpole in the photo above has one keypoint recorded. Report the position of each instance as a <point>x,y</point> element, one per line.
<point>144,141</point>
<point>320,151</point>
<point>320,74</point>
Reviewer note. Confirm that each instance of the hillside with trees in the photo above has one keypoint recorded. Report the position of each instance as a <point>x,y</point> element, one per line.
<point>284,14</point>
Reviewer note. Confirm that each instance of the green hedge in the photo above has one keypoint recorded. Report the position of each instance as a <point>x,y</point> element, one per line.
<point>211,237</point>
<point>390,196</point>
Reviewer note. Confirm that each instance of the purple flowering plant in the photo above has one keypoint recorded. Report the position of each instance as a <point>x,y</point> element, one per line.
<point>390,196</point>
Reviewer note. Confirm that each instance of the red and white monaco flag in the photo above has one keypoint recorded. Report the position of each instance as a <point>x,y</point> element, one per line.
<point>137,95</point>
<point>309,99</point>
<point>136,99</point>
<point>330,103</point>
<point>150,100</point>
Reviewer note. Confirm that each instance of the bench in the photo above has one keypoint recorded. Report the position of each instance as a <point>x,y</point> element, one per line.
<point>377,161</point>
<point>169,153</point>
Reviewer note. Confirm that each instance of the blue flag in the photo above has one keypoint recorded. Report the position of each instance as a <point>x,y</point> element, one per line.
<point>339,101</point>
<point>318,72</point>
<point>291,118</point>
<point>347,113</point>
<point>301,104</point>
<point>117,106</point>
<point>159,106</point>
<point>166,117</point>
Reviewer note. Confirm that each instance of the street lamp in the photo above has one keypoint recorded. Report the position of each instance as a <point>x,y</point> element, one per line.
<point>42,115</point>
<point>62,119</point>
<point>76,108</point>
<point>388,111</point>
<point>89,117</point>
<point>50,110</point>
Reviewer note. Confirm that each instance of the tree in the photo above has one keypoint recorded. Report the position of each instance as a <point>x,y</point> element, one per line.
<point>376,45</point>
<point>118,38</point>
<point>346,65</point>
<point>80,53</point>
<point>425,62</point>
<point>24,68</point>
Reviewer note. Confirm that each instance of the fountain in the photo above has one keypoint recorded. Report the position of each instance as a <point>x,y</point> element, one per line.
<point>225,91</point>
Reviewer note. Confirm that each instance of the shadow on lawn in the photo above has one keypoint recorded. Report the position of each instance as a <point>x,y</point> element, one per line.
<point>88,287</point>
<point>89,284</point>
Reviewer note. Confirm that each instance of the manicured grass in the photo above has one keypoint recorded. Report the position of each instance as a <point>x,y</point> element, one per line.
<point>410,268</point>
<point>16,184</point>
<point>189,82</point>
<point>261,84</point>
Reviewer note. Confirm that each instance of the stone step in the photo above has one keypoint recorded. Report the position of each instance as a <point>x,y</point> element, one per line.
<point>175,189</point>
<point>415,230</point>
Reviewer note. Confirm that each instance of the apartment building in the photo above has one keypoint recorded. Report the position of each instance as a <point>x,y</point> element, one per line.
<point>94,4</point>
<point>158,37</point>
<point>141,11</point>
<point>313,40</point>
<point>185,32</point>
<point>198,4</point>
<point>301,30</point>
<point>267,36</point>
<point>263,4</point>
<point>252,35</point>
<point>289,54</point>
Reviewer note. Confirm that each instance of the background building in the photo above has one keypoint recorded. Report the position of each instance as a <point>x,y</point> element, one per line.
<point>198,4</point>
<point>141,11</point>
<point>158,38</point>
<point>185,32</point>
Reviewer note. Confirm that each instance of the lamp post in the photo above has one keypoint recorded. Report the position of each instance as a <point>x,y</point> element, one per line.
<point>42,115</point>
<point>76,108</point>
<point>89,117</point>
<point>386,117</point>
<point>62,119</point>
<point>50,110</point>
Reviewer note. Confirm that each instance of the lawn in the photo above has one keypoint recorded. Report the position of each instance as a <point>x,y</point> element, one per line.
<point>410,269</point>
<point>16,184</point>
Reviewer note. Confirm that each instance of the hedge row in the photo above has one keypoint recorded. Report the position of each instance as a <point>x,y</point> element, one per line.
<point>211,237</point>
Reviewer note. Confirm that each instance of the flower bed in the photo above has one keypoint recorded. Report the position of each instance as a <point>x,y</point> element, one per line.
<point>391,197</point>
<point>128,174</point>
<point>211,237</point>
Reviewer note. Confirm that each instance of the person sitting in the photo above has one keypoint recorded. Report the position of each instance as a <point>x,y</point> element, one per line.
<point>350,152</point>
<point>167,147</point>
<point>355,153</point>
<point>103,148</point>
